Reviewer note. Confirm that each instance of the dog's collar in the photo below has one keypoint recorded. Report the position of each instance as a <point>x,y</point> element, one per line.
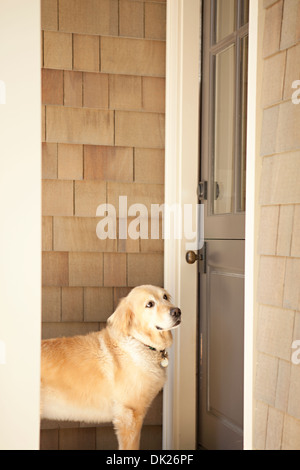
<point>164,356</point>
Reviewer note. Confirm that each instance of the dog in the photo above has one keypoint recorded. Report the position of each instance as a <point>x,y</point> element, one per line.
<point>114,374</point>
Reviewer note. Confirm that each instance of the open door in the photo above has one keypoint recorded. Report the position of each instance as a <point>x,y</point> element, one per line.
<point>222,191</point>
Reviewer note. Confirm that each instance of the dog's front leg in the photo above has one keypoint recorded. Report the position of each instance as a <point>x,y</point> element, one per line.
<point>128,424</point>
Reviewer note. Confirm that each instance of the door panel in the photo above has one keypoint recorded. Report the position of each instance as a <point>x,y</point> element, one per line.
<point>224,358</point>
<point>221,352</point>
<point>221,270</point>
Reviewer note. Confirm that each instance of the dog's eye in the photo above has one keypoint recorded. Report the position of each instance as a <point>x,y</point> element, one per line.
<point>165,297</point>
<point>150,304</point>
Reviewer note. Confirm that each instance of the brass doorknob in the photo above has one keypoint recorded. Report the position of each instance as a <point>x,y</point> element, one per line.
<point>191,257</point>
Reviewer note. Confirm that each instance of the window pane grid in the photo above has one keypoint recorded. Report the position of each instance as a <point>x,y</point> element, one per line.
<point>229,53</point>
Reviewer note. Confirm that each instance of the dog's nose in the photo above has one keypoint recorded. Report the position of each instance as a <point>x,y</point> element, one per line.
<point>175,312</point>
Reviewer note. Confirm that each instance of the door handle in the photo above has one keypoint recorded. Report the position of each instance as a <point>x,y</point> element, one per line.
<point>202,191</point>
<point>191,257</point>
<point>217,190</point>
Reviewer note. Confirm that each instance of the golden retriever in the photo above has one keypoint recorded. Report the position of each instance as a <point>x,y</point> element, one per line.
<point>114,374</point>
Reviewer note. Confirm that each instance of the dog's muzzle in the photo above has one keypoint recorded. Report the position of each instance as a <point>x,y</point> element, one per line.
<point>176,315</point>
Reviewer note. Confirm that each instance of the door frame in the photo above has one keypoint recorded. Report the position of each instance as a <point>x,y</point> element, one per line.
<point>20,237</point>
<point>181,179</point>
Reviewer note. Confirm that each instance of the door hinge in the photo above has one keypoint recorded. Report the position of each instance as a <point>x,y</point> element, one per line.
<point>202,191</point>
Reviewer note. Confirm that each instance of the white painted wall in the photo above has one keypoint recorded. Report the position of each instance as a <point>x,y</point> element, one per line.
<point>20,232</point>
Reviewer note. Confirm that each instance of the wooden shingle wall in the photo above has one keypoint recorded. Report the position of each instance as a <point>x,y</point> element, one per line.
<point>277,385</point>
<point>103,105</point>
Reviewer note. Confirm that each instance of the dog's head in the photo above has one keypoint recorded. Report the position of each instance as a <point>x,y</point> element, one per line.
<point>148,315</point>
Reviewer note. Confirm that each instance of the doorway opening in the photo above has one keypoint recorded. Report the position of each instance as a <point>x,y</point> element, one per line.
<point>222,191</point>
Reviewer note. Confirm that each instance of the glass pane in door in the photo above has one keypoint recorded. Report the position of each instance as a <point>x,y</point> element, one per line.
<point>242,122</point>
<point>244,12</point>
<point>224,131</point>
<point>225,18</point>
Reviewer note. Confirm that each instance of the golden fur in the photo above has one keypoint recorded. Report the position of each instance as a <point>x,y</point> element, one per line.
<point>111,375</point>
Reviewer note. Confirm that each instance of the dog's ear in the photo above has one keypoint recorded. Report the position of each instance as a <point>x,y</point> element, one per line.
<point>121,319</point>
